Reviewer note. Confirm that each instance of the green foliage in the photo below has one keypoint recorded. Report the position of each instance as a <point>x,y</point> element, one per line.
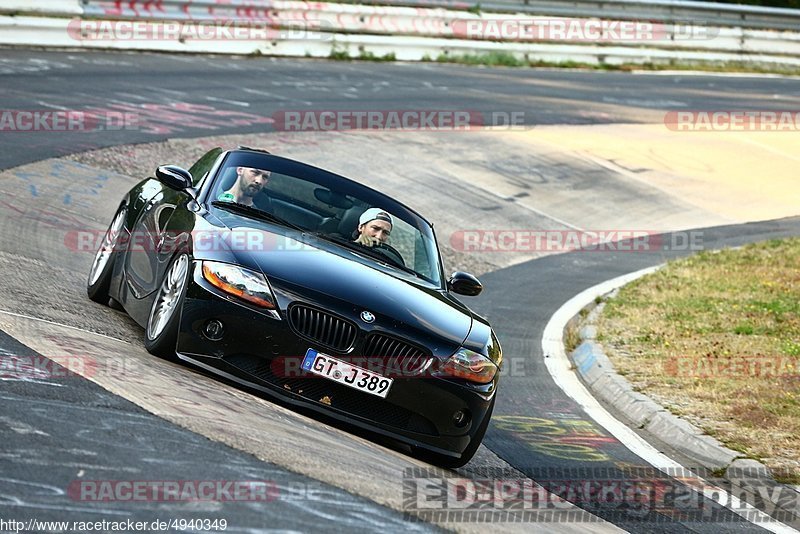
<point>492,59</point>
<point>476,9</point>
<point>340,54</point>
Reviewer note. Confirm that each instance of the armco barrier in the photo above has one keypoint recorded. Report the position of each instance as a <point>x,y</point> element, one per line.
<point>703,13</point>
<point>43,7</point>
<point>410,33</point>
<point>423,22</point>
<point>36,31</point>
<point>667,11</point>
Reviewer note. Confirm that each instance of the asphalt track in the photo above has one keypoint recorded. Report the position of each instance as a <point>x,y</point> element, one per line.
<point>258,88</point>
<point>532,415</point>
<point>57,433</point>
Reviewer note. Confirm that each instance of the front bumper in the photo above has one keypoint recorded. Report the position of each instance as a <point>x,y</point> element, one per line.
<point>260,350</point>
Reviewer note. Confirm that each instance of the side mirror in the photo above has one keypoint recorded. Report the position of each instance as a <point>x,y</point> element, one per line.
<point>174,177</point>
<point>464,284</point>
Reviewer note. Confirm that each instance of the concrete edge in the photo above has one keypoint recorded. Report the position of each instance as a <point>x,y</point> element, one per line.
<point>596,371</point>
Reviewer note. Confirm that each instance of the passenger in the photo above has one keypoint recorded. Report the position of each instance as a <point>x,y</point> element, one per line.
<point>374,227</point>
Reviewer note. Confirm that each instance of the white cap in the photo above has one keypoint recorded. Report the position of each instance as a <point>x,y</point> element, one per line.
<point>372,214</point>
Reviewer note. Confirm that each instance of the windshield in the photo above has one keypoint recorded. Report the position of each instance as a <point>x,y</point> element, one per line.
<point>349,215</point>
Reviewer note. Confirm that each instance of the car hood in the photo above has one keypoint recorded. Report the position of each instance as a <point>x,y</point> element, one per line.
<point>303,267</point>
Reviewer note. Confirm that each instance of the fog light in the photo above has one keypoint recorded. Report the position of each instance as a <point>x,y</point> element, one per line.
<point>461,419</point>
<point>213,330</point>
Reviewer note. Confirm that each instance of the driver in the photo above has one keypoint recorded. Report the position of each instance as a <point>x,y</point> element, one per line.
<point>374,227</point>
<point>249,183</point>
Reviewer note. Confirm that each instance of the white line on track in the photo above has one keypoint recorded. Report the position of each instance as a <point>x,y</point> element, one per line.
<point>51,106</point>
<point>274,95</point>
<point>31,381</point>
<point>228,101</point>
<point>559,366</point>
<point>714,74</point>
<point>181,94</point>
<point>132,96</point>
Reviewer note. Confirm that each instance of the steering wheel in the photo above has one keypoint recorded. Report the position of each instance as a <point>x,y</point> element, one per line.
<point>390,252</point>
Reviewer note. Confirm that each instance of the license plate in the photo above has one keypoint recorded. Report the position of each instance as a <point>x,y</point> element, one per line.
<point>344,373</point>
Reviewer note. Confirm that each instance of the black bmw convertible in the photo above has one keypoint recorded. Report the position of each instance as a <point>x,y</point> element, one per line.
<point>309,286</point>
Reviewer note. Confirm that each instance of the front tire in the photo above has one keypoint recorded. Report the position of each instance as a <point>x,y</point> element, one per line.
<point>99,281</point>
<point>161,331</point>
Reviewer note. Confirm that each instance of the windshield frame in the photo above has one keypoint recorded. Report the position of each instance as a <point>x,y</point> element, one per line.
<point>330,180</point>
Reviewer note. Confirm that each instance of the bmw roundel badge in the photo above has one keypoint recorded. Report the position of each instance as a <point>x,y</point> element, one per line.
<point>367,317</point>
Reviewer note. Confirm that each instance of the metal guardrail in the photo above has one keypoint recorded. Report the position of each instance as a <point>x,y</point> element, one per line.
<point>431,22</point>
<point>665,11</point>
<point>409,32</point>
<point>42,7</point>
<point>55,32</point>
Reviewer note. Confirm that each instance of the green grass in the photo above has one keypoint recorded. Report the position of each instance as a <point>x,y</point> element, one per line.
<point>507,59</point>
<point>572,338</point>
<point>718,335</point>
<point>339,54</point>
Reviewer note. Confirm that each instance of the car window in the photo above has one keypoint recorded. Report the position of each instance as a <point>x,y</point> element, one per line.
<point>202,166</point>
<point>330,207</point>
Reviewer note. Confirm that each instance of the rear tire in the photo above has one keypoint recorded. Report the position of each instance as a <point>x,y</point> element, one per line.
<point>161,330</point>
<point>99,281</point>
<point>448,461</point>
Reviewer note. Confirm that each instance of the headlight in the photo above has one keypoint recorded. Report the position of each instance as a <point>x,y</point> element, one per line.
<point>471,366</point>
<point>245,284</point>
